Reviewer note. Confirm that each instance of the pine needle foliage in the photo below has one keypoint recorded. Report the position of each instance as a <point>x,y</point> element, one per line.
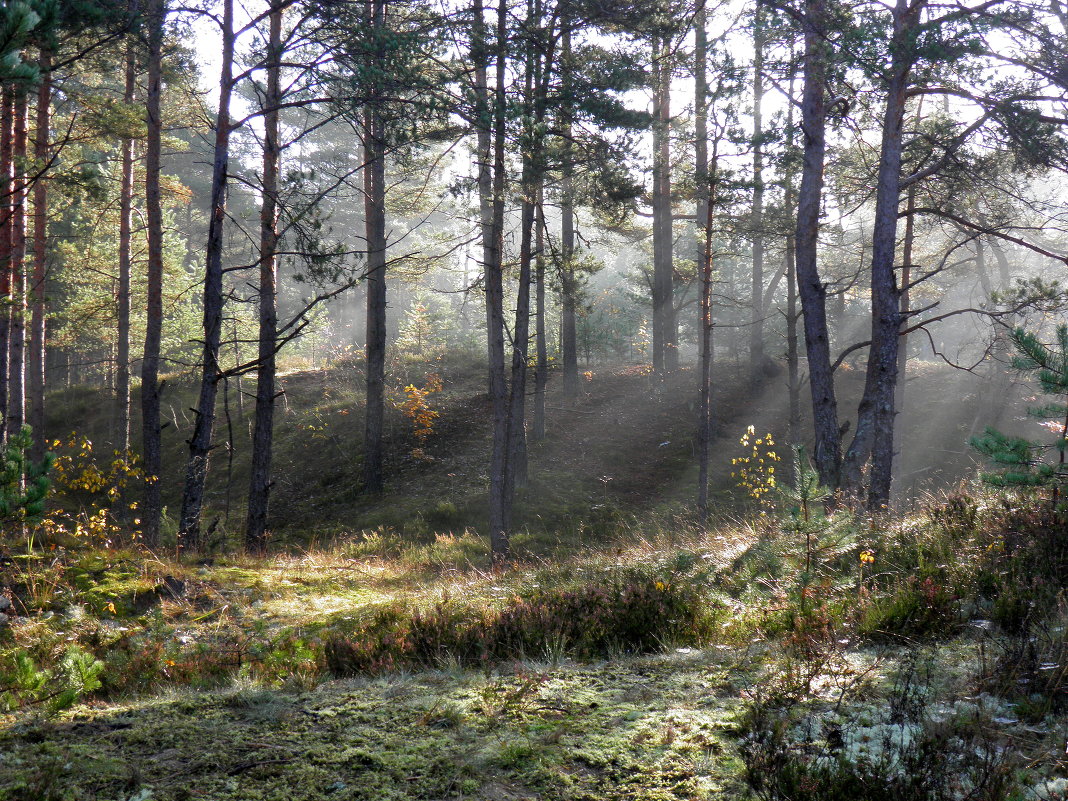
<point>24,484</point>
<point>1023,462</point>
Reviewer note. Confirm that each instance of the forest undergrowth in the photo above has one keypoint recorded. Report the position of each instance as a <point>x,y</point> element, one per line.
<point>920,658</point>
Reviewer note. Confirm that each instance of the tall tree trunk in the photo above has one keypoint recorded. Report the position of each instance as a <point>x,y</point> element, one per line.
<point>541,373</point>
<point>500,510</point>
<point>704,183</point>
<point>122,378</point>
<point>483,161</point>
<point>756,329</point>
<point>875,414</point>
<point>665,335</point>
<point>906,278</point>
<point>813,292</point>
<point>263,432</point>
<point>875,419</point>
<point>793,386</point>
<point>37,352</point>
<point>7,221</point>
<point>374,180</point>
<point>203,427</point>
<point>568,279</point>
<point>16,411</point>
<point>151,427</point>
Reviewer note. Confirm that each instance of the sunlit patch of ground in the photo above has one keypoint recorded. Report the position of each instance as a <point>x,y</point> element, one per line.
<point>649,728</point>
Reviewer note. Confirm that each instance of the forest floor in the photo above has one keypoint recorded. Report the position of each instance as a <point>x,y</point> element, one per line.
<point>629,654</point>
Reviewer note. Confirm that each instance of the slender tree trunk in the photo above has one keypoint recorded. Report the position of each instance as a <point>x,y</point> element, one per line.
<point>875,415</point>
<point>151,426</point>
<point>906,278</point>
<point>204,424</point>
<point>16,411</point>
<point>7,221</point>
<point>811,289</point>
<point>541,374</point>
<point>665,335</point>
<point>500,510</point>
<point>263,432</point>
<point>793,387</point>
<point>568,279</point>
<point>122,379</point>
<point>484,162</point>
<point>704,183</point>
<point>37,352</point>
<point>375,223</point>
<point>756,330</point>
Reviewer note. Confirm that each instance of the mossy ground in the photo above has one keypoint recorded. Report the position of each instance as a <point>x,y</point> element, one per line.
<point>647,728</point>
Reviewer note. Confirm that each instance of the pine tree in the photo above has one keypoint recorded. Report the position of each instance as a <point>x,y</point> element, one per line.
<point>1022,462</point>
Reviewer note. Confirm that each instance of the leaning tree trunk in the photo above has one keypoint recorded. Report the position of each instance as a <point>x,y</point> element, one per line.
<point>16,410</point>
<point>375,230</point>
<point>813,293</point>
<point>152,504</point>
<point>122,371</point>
<point>262,435</point>
<point>204,425</point>
<point>36,366</point>
<point>875,414</point>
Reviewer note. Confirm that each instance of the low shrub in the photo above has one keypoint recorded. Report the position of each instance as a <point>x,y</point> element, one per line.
<point>598,620</point>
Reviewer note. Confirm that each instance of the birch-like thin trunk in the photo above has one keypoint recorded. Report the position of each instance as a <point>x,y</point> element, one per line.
<point>665,334</point>
<point>122,367</point>
<point>35,368</point>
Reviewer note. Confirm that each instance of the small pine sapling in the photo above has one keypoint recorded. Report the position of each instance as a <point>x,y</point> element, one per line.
<point>1022,461</point>
<point>24,484</point>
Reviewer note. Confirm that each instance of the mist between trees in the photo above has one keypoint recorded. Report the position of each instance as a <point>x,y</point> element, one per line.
<point>676,189</point>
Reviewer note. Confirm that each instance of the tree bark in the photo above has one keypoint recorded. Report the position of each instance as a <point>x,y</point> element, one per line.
<point>704,184</point>
<point>500,510</point>
<point>665,335</point>
<point>756,329</point>
<point>122,377</point>
<point>541,372</point>
<point>263,432</point>
<point>793,384</point>
<point>16,411</point>
<point>568,279</point>
<point>36,365</point>
<point>7,220</point>
<point>204,424</point>
<point>374,177</point>
<point>811,289</point>
<point>483,160</point>
<point>875,414</point>
<point>151,427</point>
